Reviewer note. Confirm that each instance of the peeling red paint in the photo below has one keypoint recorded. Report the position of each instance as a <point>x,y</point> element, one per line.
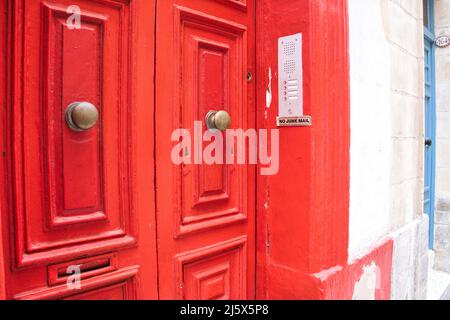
<point>337,283</point>
<point>341,284</point>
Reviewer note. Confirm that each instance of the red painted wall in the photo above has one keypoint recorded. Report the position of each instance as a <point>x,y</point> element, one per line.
<point>303,211</point>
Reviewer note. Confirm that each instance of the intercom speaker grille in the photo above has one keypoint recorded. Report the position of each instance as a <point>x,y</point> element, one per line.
<point>289,48</point>
<point>289,66</point>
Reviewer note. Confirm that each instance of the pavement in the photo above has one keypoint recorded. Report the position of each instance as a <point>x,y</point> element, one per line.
<point>446,295</point>
<point>438,282</point>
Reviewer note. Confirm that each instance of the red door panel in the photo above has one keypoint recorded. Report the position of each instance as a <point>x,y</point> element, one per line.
<point>212,54</point>
<point>71,185</point>
<point>74,195</point>
<point>206,218</point>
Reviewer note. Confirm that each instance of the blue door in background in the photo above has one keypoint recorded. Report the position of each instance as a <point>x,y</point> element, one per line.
<point>430,115</point>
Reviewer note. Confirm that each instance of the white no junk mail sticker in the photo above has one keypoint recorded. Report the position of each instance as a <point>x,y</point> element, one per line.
<point>290,82</point>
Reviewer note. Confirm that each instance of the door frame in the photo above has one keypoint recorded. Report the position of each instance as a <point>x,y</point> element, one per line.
<point>3,97</point>
<point>430,120</point>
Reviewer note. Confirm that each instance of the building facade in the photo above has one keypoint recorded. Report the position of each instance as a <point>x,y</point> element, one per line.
<point>100,96</point>
<point>442,247</point>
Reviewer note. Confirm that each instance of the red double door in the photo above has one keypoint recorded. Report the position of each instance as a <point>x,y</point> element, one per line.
<point>103,212</point>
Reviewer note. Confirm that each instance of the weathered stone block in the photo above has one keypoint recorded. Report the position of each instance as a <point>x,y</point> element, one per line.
<point>442,260</point>
<point>442,217</point>
<point>442,237</point>
<point>443,202</point>
<point>420,289</point>
<point>423,236</point>
<point>403,268</point>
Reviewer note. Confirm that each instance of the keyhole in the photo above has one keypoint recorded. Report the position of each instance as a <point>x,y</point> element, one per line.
<point>249,76</point>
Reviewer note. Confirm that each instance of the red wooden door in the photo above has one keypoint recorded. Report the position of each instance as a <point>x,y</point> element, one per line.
<point>79,201</point>
<point>205,213</point>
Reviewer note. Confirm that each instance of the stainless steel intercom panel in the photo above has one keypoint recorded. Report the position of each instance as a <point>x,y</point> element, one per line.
<point>290,76</point>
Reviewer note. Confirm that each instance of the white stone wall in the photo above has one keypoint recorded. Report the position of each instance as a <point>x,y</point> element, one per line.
<point>442,214</point>
<point>386,63</point>
<point>370,70</point>
<point>387,148</point>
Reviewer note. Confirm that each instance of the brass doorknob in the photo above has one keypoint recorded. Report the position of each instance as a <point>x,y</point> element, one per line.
<point>81,116</point>
<point>219,120</point>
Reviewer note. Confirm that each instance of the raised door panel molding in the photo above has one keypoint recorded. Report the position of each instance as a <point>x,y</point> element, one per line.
<point>212,64</point>
<point>70,191</point>
<point>239,4</point>
<point>120,284</point>
<point>74,160</point>
<point>217,272</point>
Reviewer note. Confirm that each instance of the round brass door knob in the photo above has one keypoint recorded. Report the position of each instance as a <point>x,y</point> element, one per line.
<point>81,116</point>
<point>219,120</point>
